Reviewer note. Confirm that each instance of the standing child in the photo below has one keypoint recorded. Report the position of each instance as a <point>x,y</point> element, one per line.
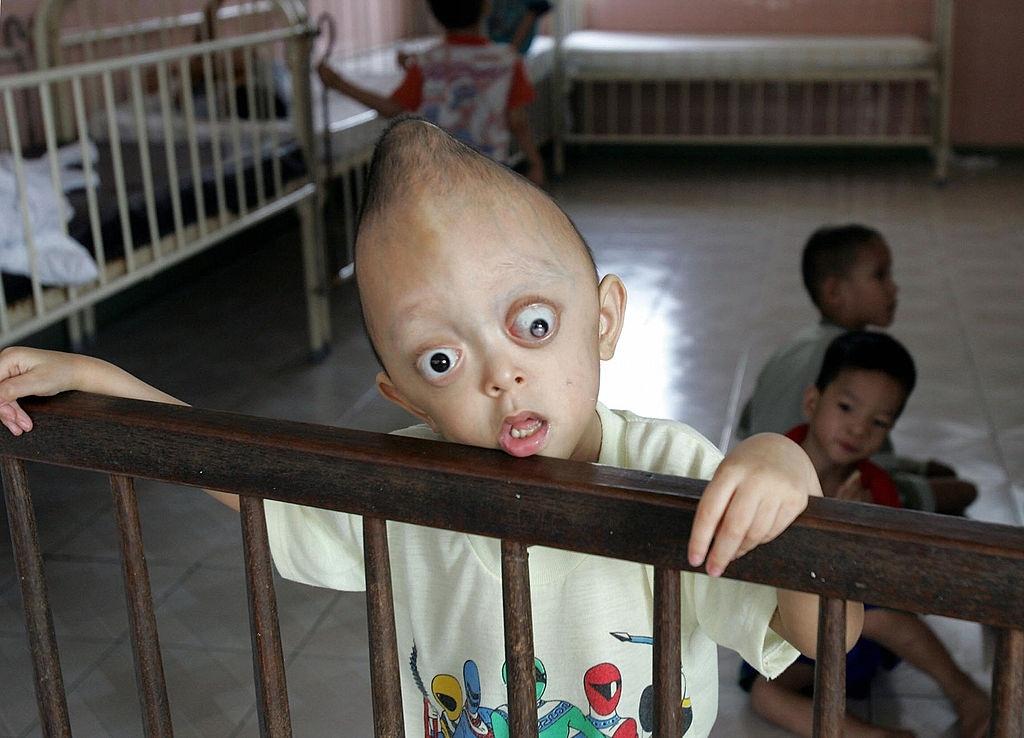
<point>847,271</point>
<point>483,305</point>
<point>476,90</point>
<point>863,384</point>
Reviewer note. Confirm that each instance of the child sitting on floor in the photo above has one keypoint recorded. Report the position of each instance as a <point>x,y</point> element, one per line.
<point>863,384</point>
<point>847,271</point>
<point>483,305</point>
<point>476,90</point>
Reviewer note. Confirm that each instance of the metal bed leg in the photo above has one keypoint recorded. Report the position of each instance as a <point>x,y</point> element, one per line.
<point>74,327</point>
<point>314,275</point>
<point>89,324</point>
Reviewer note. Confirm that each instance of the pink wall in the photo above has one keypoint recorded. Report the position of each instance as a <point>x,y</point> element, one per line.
<point>988,66</point>
<point>761,16</point>
<point>988,73</point>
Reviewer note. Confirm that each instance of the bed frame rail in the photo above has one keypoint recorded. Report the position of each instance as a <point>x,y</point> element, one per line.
<point>170,118</point>
<point>838,550</point>
<point>139,27</point>
<point>739,104</point>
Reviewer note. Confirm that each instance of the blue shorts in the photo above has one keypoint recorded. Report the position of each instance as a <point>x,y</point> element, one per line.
<point>863,662</point>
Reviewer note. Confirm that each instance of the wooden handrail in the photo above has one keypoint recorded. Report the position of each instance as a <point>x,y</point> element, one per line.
<point>903,559</point>
<point>842,551</point>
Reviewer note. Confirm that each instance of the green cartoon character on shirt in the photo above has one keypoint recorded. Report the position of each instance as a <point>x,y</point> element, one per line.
<point>555,718</point>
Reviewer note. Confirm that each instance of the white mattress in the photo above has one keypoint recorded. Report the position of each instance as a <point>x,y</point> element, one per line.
<point>656,56</point>
<point>353,126</point>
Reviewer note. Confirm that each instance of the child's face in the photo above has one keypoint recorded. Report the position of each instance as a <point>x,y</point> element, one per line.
<point>867,291</point>
<point>490,324</point>
<point>849,420</point>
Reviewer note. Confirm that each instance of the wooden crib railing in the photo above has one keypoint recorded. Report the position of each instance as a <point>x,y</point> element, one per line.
<point>905,560</point>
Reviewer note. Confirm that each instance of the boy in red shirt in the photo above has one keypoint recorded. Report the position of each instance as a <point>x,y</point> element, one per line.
<point>473,88</point>
<point>861,390</point>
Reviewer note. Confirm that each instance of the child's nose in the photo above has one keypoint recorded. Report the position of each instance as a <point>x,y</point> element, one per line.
<point>858,428</point>
<point>501,377</point>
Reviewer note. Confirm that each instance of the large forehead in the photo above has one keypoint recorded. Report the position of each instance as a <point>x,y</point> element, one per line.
<point>436,235</point>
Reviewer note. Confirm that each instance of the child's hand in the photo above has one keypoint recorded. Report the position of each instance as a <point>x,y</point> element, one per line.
<point>852,489</point>
<point>26,371</point>
<point>757,491</point>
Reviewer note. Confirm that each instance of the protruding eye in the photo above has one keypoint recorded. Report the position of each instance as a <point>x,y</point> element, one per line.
<point>535,323</point>
<point>437,363</point>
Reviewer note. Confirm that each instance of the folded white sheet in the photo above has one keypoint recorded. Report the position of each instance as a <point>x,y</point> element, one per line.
<point>59,259</point>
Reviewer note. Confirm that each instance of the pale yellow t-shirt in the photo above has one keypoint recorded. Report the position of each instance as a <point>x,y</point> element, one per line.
<point>448,604</point>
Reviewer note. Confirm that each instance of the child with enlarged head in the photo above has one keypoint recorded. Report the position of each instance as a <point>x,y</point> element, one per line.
<point>473,88</point>
<point>847,271</point>
<point>862,387</point>
<point>483,305</point>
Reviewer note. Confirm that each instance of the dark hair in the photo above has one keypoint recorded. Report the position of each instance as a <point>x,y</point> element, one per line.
<point>457,13</point>
<point>831,251</point>
<point>871,351</point>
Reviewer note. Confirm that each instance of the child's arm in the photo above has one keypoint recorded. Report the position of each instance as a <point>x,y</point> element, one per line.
<point>519,125</point>
<point>756,492</point>
<point>383,105</point>
<point>27,371</point>
<point>533,13</point>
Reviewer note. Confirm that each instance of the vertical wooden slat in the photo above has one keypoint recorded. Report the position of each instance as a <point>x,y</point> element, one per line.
<point>830,669</point>
<point>267,655</point>
<point>668,714</point>
<point>50,697</point>
<point>522,689</point>
<point>149,669</point>
<point>385,685</point>
<point>1008,685</point>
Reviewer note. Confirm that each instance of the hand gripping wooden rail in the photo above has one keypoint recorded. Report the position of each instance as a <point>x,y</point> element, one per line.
<point>894,558</point>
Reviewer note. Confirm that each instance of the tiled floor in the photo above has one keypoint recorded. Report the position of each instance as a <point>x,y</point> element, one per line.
<point>709,251</point>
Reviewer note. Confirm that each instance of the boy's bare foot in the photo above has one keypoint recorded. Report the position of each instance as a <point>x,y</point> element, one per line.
<point>973,710</point>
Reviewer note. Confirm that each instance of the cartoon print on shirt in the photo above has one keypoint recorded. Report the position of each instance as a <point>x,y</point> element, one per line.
<point>475,720</point>
<point>646,708</point>
<point>436,723</point>
<point>603,686</point>
<point>555,718</point>
<point>448,693</point>
<point>445,714</point>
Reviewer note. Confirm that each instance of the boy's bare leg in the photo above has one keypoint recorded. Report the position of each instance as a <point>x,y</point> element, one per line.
<point>907,636</point>
<point>782,701</point>
<point>952,495</point>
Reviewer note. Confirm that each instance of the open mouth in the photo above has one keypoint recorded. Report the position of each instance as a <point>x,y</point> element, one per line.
<point>523,434</point>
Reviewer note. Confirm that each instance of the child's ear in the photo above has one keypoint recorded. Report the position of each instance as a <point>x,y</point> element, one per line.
<point>831,293</point>
<point>811,397</point>
<point>390,392</point>
<point>611,296</point>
